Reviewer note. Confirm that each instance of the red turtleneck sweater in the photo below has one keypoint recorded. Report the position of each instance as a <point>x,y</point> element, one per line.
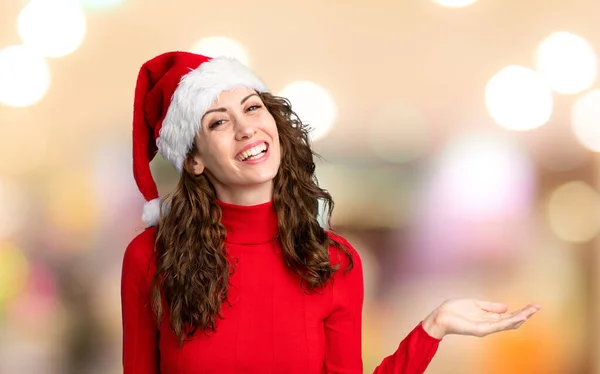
<point>272,325</point>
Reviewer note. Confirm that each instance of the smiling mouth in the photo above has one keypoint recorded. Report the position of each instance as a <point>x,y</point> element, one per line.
<point>253,153</point>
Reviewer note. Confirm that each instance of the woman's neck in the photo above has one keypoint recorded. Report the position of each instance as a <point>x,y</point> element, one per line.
<point>246,195</point>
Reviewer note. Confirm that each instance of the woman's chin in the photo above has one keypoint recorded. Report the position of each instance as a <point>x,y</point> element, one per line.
<point>258,181</point>
<point>260,176</point>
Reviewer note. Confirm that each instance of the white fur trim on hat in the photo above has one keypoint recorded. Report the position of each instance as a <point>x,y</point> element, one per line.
<point>151,212</point>
<point>195,93</point>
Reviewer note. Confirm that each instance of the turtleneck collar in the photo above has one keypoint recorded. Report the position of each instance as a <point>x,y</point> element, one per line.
<point>249,225</point>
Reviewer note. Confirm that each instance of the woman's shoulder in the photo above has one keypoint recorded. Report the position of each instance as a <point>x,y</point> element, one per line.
<point>140,249</point>
<point>337,255</point>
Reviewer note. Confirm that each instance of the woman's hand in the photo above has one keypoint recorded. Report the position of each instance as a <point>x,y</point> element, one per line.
<point>474,317</point>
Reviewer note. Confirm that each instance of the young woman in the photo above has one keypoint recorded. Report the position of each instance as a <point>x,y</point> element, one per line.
<point>233,273</point>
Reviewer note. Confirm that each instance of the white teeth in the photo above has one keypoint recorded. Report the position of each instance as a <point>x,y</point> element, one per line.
<point>252,152</point>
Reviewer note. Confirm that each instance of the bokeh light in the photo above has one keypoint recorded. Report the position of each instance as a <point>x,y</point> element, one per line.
<point>55,28</point>
<point>24,76</point>
<point>585,120</point>
<point>100,4</point>
<point>518,99</point>
<point>455,3</point>
<point>313,104</point>
<point>475,206</point>
<point>217,46</point>
<point>525,353</point>
<point>13,271</point>
<point>481,175</point>
<point>567,62</point>
<point>574,212</point>
<point>38,299</point>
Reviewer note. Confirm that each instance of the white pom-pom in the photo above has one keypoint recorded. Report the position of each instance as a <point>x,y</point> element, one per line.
<point>151,212</point>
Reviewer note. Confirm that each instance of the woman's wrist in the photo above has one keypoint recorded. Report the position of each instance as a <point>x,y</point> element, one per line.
<point>434,326</point>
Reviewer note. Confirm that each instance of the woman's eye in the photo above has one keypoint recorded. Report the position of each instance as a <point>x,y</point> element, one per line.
<point>215,124</point>
<point>253,107</point>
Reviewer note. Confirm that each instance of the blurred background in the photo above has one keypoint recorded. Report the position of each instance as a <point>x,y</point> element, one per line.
<point>460,140</point>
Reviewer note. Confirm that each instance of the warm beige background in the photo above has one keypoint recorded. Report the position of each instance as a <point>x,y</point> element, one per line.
<point>68,161</point>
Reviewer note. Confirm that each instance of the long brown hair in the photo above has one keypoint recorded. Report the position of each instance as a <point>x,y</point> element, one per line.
<point>192,268</point>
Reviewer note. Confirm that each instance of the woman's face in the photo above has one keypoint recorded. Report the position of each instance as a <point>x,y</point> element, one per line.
<point>238,147</point>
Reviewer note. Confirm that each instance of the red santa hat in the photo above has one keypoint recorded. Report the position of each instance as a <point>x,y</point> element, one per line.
<point>173,91</point>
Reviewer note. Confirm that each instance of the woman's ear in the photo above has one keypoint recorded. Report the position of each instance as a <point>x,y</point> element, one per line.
<point>193,164</point>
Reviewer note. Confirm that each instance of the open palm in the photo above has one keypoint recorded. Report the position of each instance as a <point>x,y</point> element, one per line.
<point>476,317</point>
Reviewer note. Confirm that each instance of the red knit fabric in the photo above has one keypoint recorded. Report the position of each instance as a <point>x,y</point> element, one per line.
<point>272,326</point>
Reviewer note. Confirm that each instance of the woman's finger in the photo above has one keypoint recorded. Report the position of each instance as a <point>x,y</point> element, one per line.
<point>527,311</point>
<point>502,325</point>
<point>490,306</point>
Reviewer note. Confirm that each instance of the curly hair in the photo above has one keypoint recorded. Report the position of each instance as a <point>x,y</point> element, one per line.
<point>192,268</point>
